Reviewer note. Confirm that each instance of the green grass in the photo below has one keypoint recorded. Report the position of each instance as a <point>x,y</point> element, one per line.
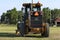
<point>7,32</point>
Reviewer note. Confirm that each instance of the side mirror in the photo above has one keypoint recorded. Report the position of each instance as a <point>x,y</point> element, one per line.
<point>22,9</point>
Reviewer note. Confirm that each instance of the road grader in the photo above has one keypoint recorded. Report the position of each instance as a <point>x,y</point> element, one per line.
<point>32,21</point>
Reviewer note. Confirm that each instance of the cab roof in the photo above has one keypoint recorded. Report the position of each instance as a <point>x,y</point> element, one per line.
<point>33,5</point>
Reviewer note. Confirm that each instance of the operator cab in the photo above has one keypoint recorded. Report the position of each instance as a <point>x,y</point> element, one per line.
<point>35,7</point>
<point>34,14</point>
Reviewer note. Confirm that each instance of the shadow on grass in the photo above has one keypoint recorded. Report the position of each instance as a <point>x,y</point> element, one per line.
<point>14,35</point>
<point>36,36</point>
<point>7,35</point>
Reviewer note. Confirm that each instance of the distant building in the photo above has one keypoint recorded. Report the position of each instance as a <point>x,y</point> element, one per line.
<point>57,21</point>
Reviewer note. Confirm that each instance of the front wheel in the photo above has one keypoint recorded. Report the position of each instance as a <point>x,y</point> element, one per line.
<point>21,29</point>
<point>46,32</point>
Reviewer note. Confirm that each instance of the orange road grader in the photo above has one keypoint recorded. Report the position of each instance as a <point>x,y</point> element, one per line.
<point>33,21</point>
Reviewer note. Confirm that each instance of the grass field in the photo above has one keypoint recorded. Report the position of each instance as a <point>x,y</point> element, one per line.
<point>7,32</point>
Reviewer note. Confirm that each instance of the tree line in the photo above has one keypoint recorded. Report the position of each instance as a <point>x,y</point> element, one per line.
<point>12,16</point>
<point>51,14</point>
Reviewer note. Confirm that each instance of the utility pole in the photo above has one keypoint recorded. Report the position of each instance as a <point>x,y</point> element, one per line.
<point>30,15</point>
<point>32,5</point>
<point>32,1</point>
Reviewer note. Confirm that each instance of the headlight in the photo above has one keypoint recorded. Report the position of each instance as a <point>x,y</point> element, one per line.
<point>19,22</point>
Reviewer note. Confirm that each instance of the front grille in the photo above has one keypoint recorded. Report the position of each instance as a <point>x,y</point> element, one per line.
<point>36,22</point>
<point>36,25</point>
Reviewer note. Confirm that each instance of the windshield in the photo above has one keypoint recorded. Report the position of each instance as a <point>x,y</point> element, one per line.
<point>36,9</point>
<point>25,10</point>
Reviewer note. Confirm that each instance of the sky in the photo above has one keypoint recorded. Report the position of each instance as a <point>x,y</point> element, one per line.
<point>10,4</point>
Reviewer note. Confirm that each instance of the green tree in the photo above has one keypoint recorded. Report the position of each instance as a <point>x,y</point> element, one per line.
<point>14,15</point>
<point>55,13</point>
<point>20,14</point>
<point>3,17</point>
<point>46,14</point>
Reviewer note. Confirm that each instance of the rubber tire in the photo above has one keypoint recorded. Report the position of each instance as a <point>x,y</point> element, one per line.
<point>21,28</point>
<point>17,34</point>
<point>46,33</point>
<point>22,31</point>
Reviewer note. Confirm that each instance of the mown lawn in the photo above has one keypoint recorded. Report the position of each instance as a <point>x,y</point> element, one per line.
<point>7,32</point>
